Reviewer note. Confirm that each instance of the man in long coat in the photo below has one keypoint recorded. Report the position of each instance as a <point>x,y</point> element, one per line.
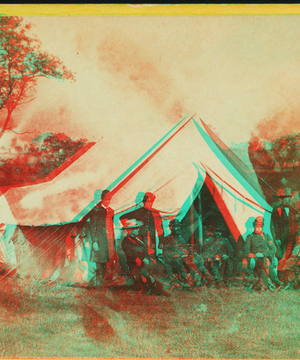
<point>292,265</point>
<point>100,225</point>
<point>284,227</point>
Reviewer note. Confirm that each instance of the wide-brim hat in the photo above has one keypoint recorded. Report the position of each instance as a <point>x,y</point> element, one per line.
<point>132,224</point>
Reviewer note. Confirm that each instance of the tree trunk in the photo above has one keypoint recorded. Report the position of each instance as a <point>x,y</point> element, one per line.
<point>6,122</point>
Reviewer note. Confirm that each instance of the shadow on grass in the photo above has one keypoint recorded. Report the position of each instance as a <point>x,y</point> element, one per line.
<point>117,322</point>
<point>96,326</point>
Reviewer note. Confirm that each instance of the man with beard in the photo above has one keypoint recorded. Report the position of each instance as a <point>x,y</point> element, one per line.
<point>218,255</point>
<point>258,249</point>
<point>151,219</point>
<point>176,261</point>
<point>99,224</point>
<point>142,266</point>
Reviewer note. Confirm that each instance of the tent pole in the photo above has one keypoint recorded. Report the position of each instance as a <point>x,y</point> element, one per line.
<point>192,226</point>
<point>200,221</point>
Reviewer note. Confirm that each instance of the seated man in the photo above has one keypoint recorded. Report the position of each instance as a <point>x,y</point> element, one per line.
<point>258,248</point>
<point>140,264</point>
<point>151,219</point>
<point>123,267</point>
<point>175,260</point>
<point>292,265</point>
<point>218,255</point>
<point>200,265</point>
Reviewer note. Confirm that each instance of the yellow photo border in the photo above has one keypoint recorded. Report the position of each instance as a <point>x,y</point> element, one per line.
<point>147,10</point>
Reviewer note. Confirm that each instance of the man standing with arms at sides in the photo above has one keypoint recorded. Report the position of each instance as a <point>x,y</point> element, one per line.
<point>284,225</point>
<point>99,222</point>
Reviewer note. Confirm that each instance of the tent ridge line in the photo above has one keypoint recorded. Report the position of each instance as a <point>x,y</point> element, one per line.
<point>144,162</point>
<point>138,164</point>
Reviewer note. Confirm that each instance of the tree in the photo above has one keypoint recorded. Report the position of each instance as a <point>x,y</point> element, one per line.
<point>42,156</point>
<point>22,62</point>
<point>274,161</point>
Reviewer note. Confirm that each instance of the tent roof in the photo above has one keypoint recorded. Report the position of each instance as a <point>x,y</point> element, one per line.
<point>170,169</point>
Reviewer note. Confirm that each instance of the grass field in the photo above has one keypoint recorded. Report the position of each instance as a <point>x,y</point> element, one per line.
<point>60,321</point>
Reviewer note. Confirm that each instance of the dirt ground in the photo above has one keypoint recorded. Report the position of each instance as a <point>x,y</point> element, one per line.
<point>61,321</point>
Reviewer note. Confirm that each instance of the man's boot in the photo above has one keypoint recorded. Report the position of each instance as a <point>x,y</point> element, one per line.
<point>216,271</point>
<point>273,276</point>
<point>198,279</point>
<point>100,272</point>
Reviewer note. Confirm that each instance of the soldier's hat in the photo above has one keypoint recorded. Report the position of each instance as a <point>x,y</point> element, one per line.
<point>215,227</point>
<point>283,193</point>
<point>175,223</point>
<point>105,193</point>
<point>131,224</point>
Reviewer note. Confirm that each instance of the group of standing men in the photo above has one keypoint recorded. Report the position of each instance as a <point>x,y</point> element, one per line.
<point>173,265</point>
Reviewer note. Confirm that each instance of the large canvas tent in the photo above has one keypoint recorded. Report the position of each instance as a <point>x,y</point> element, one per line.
<point>175,169</point>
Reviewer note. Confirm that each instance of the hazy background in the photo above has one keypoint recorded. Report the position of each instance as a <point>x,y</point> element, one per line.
<point>137,76</point>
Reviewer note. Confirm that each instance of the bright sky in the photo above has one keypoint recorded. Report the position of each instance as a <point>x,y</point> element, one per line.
<point>137,76</point>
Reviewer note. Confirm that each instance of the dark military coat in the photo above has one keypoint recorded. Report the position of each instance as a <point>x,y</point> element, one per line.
<point>213,246</point>
<point>284,228</point>
<point>171,246</point>
<point>101,230</point>
<point>256,243</point>
<point>152,223</point>
<point>134,248</point>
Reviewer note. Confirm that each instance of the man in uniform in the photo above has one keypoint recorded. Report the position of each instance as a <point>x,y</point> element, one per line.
<point>99,222</point>
<point>258,249</point>
<point>177,261</point>
<point>292,264</point>
<point>142,266</point>
<point>151,220</point>
<point>283,225</point>
<point>218,255</point>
